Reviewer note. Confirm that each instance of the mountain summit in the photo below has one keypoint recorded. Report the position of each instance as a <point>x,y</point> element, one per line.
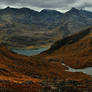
<point>74,21</point>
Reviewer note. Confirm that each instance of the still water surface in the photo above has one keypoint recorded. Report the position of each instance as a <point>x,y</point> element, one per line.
<point>85,70</point>
<point>30,52</point>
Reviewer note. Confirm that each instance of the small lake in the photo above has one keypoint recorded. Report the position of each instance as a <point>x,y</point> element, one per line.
<point>85,70</point>
<point>29,52</point>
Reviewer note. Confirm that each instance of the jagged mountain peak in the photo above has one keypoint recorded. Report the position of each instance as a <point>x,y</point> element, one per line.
<point>50,11</point>
<point>8,7</point>
<point>25,9</point>
<point>74,9</point>
<point>47,10</point>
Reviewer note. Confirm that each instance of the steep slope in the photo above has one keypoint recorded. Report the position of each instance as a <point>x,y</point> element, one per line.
<point>19,72</point>
<point>22,26</point>
<point>20,68</point>
<point>74,51</point>
<point>27,16</point>
<point>74,21</point>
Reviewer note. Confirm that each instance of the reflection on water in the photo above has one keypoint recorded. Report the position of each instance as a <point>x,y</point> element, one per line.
<point>29,52</point>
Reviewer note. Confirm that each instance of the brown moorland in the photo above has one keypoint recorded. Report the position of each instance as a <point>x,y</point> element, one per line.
<point>74,51</point>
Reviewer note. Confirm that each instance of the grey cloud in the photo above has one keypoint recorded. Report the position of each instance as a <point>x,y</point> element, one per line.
<point>53,4</point>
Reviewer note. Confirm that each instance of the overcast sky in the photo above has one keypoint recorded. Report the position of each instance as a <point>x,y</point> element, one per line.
<point>62,5</point>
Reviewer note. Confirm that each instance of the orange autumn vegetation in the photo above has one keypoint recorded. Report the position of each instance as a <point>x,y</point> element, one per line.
<point>74,51</point>
<point>22,67</point>
<point>16,87</point>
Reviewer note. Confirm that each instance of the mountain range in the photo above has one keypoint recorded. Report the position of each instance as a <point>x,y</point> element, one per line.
<point>26,28</point>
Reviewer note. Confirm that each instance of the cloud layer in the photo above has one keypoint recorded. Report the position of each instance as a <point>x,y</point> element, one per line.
<point>62,5</point>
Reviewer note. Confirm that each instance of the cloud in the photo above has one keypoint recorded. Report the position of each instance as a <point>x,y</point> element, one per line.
<point>51,4</point>
<point>83,4</point>
<point>39,3</point>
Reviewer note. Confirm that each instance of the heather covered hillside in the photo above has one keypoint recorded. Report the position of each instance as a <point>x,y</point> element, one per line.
<point>47,69</point>
<point>74,50</point>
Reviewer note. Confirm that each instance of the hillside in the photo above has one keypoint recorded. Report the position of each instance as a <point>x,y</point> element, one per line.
<point>21,73</point>
<point>74,21</point>
<point>14,65</point>
<point>26,28</point>
<point>74,50</point>
<point>32,73</point>
<point>22,27</point>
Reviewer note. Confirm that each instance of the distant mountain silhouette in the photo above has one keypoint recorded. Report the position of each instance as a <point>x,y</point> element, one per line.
<point>21,27</point>
<point>24,27</point>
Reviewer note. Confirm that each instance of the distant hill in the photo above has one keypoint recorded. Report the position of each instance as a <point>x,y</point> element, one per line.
<point>23,27</point>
